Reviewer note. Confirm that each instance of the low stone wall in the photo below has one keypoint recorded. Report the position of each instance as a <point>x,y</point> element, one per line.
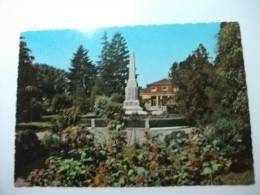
<point>139,123</point>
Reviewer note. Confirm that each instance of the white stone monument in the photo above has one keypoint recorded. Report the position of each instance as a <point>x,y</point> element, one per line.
<point>131,103</point>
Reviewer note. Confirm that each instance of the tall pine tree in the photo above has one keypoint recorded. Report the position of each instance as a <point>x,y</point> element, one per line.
<point>231,101</point>
<point>25,80</point>
<point>82,72</point>
<point>113,63</point>
<point>82,75</point>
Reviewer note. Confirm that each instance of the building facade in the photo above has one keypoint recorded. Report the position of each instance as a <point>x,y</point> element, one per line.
<point>157,94</point>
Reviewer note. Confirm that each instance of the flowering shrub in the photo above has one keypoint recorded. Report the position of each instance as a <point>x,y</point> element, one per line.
<point>105,107</point>
<point>68,117</point>
<point>181,159</point>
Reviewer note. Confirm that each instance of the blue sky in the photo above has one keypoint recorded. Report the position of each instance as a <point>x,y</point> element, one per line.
<point>156,47</point>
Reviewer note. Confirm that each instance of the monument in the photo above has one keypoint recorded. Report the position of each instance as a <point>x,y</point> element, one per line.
<point>131,103</point>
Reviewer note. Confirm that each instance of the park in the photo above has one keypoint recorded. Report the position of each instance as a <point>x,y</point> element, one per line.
<point>92,125</point>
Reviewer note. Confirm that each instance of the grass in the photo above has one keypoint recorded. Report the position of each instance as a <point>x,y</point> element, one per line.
<point>243,178</point>
<point>37,126</point>
<point>47,118</point>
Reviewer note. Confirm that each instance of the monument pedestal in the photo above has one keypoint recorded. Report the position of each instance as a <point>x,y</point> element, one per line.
<point>132,107</point>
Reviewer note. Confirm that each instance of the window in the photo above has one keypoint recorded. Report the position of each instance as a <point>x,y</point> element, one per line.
<point>165,88</point>
<point>154,89</point>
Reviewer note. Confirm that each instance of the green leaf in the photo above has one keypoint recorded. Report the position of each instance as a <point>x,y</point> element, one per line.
<point>206,171</point>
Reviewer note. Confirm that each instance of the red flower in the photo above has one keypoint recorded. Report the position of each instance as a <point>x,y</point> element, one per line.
<point>140,179</point>
<point>154,147</point>
<point>103,169</point>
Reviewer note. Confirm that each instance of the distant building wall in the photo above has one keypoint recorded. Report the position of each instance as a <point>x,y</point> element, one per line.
<point>156,95</point>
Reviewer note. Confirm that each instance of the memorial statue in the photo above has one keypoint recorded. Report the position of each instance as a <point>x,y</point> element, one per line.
<point>131,103</point>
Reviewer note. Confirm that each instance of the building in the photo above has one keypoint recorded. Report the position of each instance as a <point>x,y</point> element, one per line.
<point>156,95</point>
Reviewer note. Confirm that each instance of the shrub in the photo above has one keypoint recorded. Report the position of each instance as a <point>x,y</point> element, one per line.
<point>229,134</point>
<point>172,106</point>
<point>167,122</point>
<point>60,172</point>
<point>68,117</point>
<point>60,102</point>
<point>235,138</point>
<point>100,105</point>
<point>76,168</point>
<point>182,159</point>
<point>104,107</point>
<point>27,149</point>
<point>75,137</point>
<point>118,98</point>
<point>51,141</point>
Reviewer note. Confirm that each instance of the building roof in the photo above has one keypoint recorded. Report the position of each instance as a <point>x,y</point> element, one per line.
<point>161,82</point>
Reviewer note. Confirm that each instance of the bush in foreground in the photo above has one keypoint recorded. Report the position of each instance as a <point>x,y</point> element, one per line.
<point>182,159</point>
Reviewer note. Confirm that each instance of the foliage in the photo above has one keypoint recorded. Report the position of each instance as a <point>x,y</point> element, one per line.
<point>76,167</point>
<point>217,95</point>
<point>82,76</point>
<point>35,93</point>
<point>60,102</point>
<point>67,117</point>
<point>105,107</point>
<point>118,98</point>
<point>82,72</point>
<point>52,83</point>
<point>112,66</point>
<point>182,159</point>
<point>172,105</point>
<point>50,80</point>
<point>34,126</point>
<point>245,178</point>
<point>75,137</point>
<point>191,77</point>
<point>25,80</point>
<point>168,122</point>
<point>59,173</point>
<point>27,149</point>
<point>51,141</point>
<point>231,101</point>
<point>228,132</point>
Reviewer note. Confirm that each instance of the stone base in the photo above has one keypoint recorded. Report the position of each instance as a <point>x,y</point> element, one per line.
<point>132,107</point>
<point>140,112</point>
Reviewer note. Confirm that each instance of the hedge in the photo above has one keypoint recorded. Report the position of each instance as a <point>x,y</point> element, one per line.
<point>167,122</point>
<point>135,123</point>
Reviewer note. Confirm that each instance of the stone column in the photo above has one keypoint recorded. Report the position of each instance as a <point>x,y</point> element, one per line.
<point>157,101</point>
<point>93,125</point>
<point>147,124</point>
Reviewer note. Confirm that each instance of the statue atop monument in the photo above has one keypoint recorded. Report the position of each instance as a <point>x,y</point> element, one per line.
<point>131,103</point>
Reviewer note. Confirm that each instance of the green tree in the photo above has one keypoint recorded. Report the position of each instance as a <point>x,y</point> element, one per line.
<point>230,99</point>
<point>231,73</point>
<point>82,75</point>
<point>82,72</point>
<point>113,63</point>
<point>53,85</point>
<point>50,80</point>
<point>192,76</point>
<point>24,82</point>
